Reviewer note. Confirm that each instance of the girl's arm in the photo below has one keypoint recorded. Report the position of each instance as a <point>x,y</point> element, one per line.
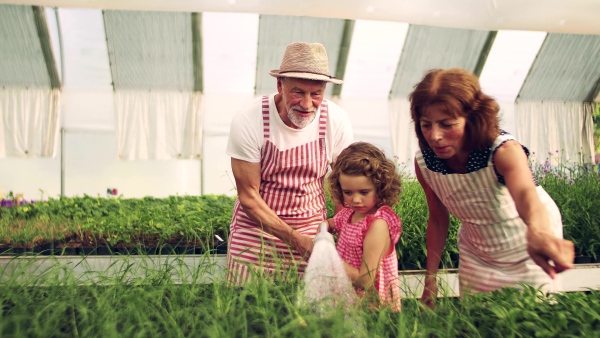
<point>437,235</point>
<point>511,162</point>
<point>377,244</point>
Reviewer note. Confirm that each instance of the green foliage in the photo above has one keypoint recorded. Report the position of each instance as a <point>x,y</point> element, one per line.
<point>57,305</point>
<point>413,211</point>
<point>576,191</point>
<point>196,219</point>
<point>118,221</point>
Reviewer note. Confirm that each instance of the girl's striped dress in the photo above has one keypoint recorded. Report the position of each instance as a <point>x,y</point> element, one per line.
<point>350,248</point>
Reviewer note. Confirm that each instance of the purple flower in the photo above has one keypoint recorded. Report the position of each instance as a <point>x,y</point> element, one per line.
<point>550,153</point>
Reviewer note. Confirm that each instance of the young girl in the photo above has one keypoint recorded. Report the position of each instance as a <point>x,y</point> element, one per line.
<point>367,184</point>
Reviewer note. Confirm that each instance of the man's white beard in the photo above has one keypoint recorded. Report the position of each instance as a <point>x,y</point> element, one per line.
<point>301,121</point>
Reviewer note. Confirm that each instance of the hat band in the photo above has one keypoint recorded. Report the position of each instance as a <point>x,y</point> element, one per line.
<point>302,71</point>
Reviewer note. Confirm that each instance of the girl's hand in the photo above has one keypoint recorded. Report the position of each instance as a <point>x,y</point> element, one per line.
<point>544,247</point>
<point>430,292</point>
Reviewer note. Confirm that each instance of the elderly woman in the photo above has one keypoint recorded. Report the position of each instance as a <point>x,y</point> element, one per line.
<point>511,229</point>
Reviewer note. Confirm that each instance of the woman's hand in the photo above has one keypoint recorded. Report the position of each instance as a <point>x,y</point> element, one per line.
<point>545,248</point>
<point>430,292</point>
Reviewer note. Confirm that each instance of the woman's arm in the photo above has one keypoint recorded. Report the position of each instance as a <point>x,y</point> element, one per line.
<point>437,235</point>
<point>511,162</point>
<point>376,245</point>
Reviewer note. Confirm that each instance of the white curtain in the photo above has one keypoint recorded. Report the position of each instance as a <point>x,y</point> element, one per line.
<point>404,140</point>
<point>29,122</point>
<point>561,132</point>
<point>158,125</point>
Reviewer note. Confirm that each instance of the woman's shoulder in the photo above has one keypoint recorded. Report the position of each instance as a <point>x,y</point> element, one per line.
<point>502,138</point>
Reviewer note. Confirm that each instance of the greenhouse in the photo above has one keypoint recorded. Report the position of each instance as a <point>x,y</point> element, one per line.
<point>117,193</point>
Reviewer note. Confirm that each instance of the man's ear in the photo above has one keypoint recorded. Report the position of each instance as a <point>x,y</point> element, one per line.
<point>279,85</point>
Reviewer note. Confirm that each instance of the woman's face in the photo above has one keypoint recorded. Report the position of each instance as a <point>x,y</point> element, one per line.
<point>444,133</point>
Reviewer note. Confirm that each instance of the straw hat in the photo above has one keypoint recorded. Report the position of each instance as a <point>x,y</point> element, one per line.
<point>305,61</point>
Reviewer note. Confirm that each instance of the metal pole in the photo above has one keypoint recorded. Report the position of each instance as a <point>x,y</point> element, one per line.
<point>62,161</point>
<point>202,166</point>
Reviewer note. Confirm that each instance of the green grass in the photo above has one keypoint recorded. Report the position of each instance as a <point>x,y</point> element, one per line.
<point>55,303</point>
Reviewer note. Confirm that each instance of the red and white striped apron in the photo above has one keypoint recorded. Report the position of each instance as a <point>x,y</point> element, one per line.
<point>492,237</point>
<point>292,186</point>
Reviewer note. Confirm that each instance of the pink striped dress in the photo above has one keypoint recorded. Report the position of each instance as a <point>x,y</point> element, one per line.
<point>292,185</point>
<point>350,248</point>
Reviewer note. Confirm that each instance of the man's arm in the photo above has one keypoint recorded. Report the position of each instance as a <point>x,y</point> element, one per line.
<point>247,180</point>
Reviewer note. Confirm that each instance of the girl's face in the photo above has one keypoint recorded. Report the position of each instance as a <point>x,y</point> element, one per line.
<point>359,194</point>
<point>444,133</point>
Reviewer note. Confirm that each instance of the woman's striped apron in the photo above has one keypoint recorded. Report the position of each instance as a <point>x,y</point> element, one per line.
<point>492,237</point>
<point>292,186</point>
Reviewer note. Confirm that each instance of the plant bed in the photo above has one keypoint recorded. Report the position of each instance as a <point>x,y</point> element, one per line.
<point>189,223</point>
<point>153,306</point>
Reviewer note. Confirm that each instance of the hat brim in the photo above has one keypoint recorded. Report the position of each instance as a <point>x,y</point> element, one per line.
<point>308,76</point>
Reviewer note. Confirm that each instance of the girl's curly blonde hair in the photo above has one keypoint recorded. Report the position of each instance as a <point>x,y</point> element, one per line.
<point>364,159</point>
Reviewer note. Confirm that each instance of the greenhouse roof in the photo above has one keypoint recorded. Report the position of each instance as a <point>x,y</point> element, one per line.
<point>158,45</point>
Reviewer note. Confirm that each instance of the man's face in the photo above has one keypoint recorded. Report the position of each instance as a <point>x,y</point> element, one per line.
<point>301,99</point>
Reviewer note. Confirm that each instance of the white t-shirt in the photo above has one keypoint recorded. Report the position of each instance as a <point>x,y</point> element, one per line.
<point>246,136</point>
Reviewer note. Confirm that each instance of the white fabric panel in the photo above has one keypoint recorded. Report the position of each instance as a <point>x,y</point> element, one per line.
<point>229,41</point>
<point>509,61</point>
<point>158,125</point>
<point>92,166</point>
<point>85,54</point>
<point>86,109</point>
<point>507,117</point>
<point>374,53</point>
<point>29,122</point>
<point>404,140</point>
<point>561,132</point>
<point>370,121</point>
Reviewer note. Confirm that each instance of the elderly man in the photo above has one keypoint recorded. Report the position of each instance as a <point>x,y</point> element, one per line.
<point>281,147</point>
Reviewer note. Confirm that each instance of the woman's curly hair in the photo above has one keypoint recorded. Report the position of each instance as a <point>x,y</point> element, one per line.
<point>459,93</point>
<point>364,159</point>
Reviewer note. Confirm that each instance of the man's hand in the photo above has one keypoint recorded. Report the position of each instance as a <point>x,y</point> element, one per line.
<point>551,253</point>
<point>303,244</point>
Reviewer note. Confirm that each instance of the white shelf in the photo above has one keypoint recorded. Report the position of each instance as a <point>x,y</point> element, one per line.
<point>35,270</point>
